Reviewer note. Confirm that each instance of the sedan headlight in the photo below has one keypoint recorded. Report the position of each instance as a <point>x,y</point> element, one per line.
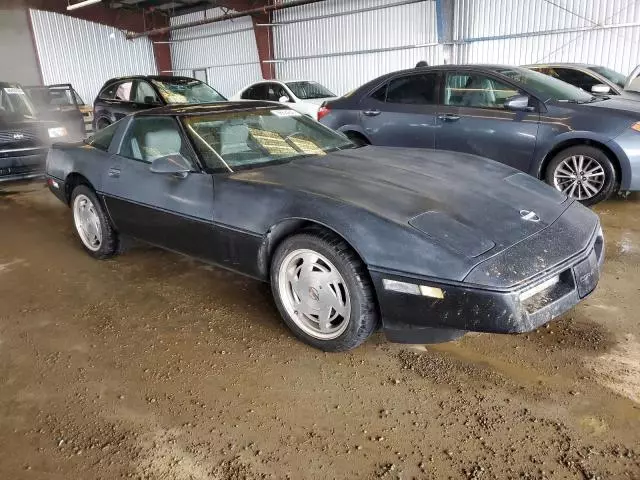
<point>636,127</point>
<point>57,132</point>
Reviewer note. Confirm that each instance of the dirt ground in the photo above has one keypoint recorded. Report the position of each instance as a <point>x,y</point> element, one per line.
<point>153,366</point>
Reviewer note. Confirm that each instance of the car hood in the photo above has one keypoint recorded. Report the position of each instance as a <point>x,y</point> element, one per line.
<point>13,121</point>
<point>468,203</point>
<point>615,105</point>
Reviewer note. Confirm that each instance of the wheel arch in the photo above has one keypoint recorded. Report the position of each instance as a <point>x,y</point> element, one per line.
<point>576,142</point>
<point>278,232</point>
<point>355,129</point>
<point>72,181</point>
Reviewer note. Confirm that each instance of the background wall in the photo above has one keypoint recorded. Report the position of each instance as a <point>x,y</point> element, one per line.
<point>86,54</point>
<point>18,58</point>
<point>344,43</point>
<point>604,32</point>
<point>227,50</point>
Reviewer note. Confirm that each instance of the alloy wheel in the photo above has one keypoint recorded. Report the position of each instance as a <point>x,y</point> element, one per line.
<point>579,176</point>
<point>314,294</point>
<point>87,222</point>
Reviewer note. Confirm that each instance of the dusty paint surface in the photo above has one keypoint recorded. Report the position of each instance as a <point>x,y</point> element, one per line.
<point>154,366</point>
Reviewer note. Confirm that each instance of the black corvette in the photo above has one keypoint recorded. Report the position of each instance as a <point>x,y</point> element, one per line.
<point>427,245</point>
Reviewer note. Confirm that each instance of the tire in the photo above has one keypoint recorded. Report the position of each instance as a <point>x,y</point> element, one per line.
<point>352,292</point>
<point>357,138</point>
<point>105,244</point>
<point>567,163</point>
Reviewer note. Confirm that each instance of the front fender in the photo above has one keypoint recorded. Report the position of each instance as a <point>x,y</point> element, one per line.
<point>545,149</point>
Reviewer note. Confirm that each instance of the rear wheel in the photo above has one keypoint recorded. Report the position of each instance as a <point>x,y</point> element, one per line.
<point>584,173</point>
<point>323,291</point>
<point>92,226</point>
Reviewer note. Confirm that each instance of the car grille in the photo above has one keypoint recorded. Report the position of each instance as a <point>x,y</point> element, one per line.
<point>20,138</point>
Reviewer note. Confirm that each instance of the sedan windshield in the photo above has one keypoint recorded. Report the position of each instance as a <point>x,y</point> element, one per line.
<point>14,100</point>
<point>243,140</point>
<point>611,75</point>
<point>187,90</point>
<point>548,87</point>
<point>309,90</point>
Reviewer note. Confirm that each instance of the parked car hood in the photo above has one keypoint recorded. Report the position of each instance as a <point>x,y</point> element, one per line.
<point>479,202</point>
<point>14,121</point>
<point>615,105</point>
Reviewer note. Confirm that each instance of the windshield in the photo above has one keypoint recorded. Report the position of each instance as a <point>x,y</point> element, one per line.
<point>550,88</point>
<point>187,90</point>
<point>611,75</point>
<point>309,90</point>
<point>14,100</point>
<point>243,140</point>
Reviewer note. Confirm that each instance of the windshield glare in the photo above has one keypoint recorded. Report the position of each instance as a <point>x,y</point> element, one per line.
<point>187,91</point>
<point>611,75</point>
<point>15,100</point>
<point>243,140</point>
<point>548,87</point>
<point>309,90</point>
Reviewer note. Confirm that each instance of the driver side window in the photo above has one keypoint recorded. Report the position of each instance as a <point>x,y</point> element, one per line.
<point>476,90</point>
<point>145,94</point>
<point>153,137</point>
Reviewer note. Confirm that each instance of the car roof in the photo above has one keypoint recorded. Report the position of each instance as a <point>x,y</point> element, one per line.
<point>161,78</point>
<point>208,108</point>
<point>435,68</point>
<point>9,84</point>
<point>561,64</point>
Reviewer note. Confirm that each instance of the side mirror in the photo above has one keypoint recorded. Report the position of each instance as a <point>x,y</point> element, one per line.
<point>284,99</point>
<point>518,103</point>
<point>150,100</point>
<point>174,164</point>
<point>600,89</point>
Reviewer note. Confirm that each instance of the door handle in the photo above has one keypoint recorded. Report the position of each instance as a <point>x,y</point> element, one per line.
<point>448,117</point>
<point>114,172</point>
<point>371,113</point>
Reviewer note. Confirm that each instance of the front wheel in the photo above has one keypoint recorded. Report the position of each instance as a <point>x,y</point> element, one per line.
<point>323,291</point>
<point>92,225</point>
<point>584,173</point>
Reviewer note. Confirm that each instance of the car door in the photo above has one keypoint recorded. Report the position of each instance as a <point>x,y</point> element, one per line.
<point>402,112</point>
<point>472,119</point>
<point>144,95</point>
<point>116,101</point>
<point>164,209</point>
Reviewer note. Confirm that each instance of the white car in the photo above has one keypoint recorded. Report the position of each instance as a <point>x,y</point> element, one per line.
<point>302,95</point>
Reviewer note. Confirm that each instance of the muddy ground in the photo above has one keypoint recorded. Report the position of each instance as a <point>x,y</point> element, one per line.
<point>153,366</point>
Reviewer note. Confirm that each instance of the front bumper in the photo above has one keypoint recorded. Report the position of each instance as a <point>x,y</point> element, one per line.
<point>409,318</point>
<point>22,164</point>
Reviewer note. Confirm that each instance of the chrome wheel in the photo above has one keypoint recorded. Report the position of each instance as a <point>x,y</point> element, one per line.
<point>579,176</point>
<point>314,294</point>
<point>87,222</point>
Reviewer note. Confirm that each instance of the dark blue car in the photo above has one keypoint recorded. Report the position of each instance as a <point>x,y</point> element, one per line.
<point>585,146</point>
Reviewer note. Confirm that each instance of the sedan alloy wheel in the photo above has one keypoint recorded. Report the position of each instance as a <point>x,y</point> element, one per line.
<point>579,176</point>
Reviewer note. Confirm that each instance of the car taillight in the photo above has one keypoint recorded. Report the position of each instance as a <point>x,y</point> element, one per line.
<point>323,111</point>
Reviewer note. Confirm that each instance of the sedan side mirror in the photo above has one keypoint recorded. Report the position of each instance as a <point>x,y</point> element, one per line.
<point>174,164</point>
<point>518,103</point>
<point>600,89</point>
<point>284,99</point>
